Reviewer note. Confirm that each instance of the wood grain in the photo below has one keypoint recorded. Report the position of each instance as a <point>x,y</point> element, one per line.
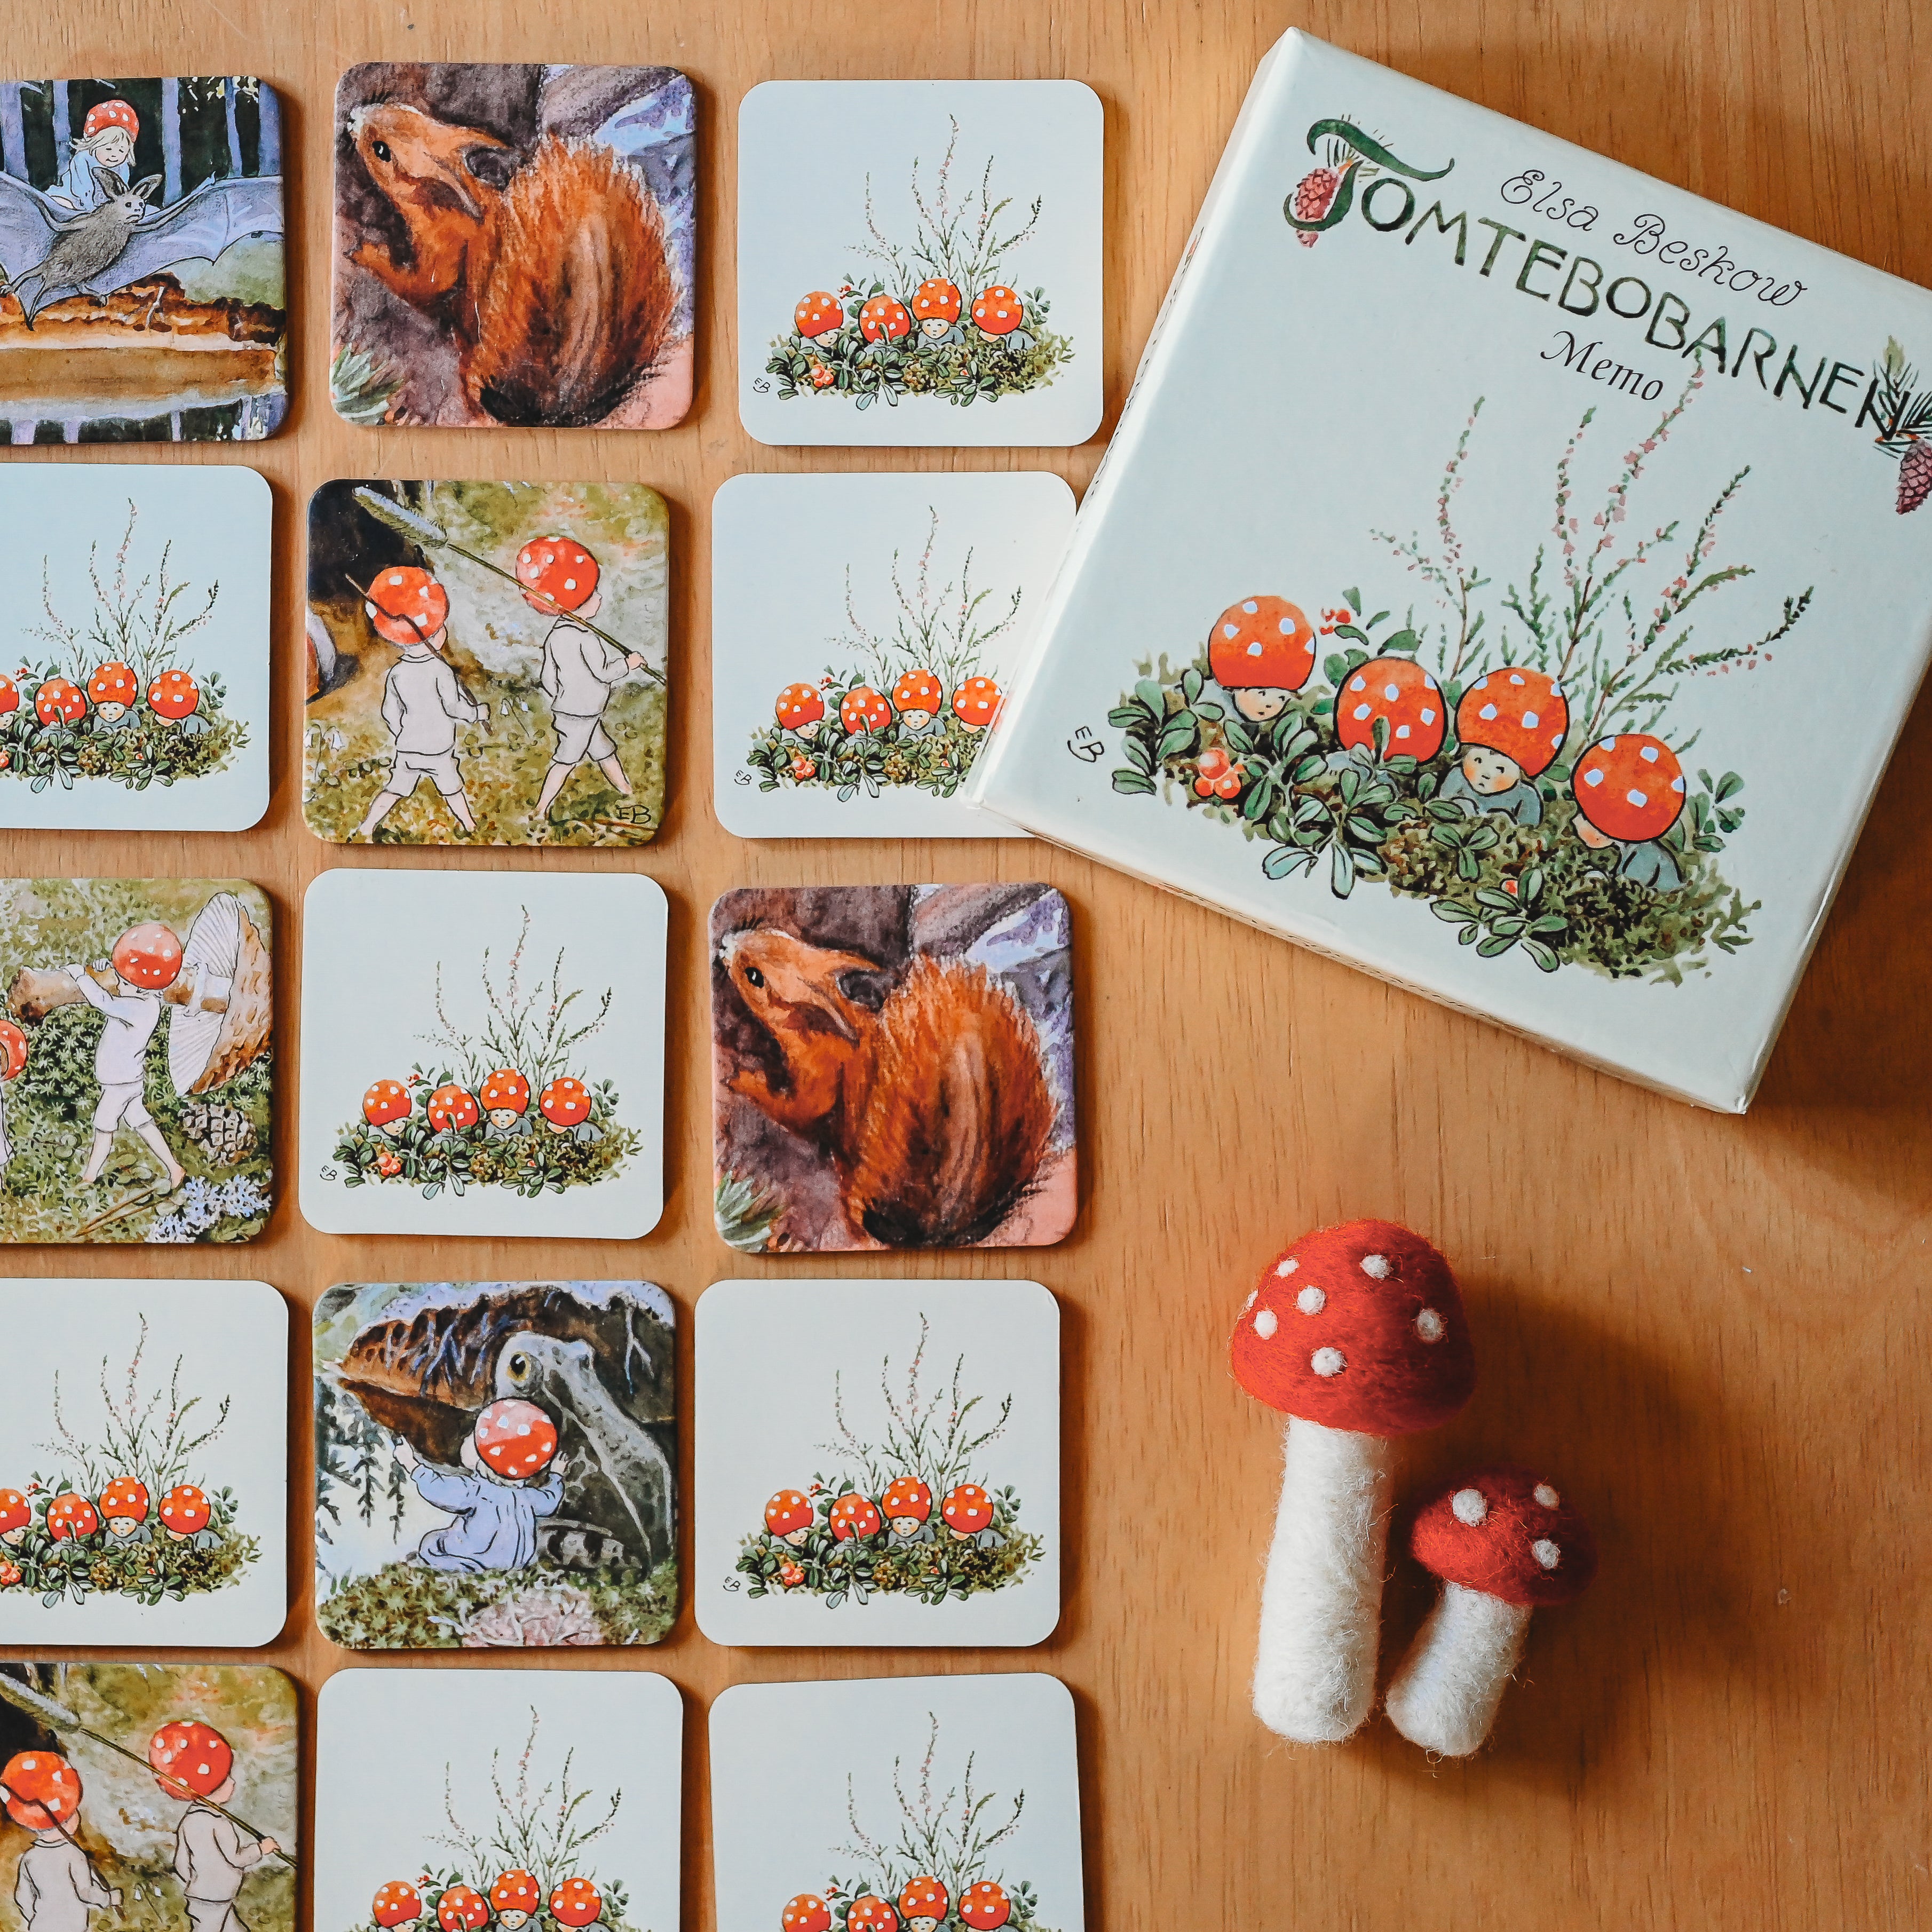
<point>1712,1330</point>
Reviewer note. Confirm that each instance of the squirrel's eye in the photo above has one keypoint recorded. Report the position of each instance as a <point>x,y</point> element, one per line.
<point>753,977</point>
<point>380,149</point>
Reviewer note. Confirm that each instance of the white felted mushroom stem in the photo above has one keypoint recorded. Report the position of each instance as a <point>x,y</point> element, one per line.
<point>1315,1671</point>
<point>1444,1696</point>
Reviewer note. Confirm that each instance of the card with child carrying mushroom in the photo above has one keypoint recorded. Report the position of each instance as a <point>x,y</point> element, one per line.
<point>142,1458</point>
<point>498,1798</point>
<point>890,1476</point>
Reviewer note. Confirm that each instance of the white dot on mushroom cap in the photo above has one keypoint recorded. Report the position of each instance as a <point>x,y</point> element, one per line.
<point>1487,711</point>
<point>1428,715</point>
<point>1287,1265</point>
<point>1593,777</point>
<point>1358,684</point>
<point>1531,721</point>
<point>1636,797</point>
<point>1311,1301</point>
<point>1265,1323</point>
<point>1376,1266</point>
<point>1546,1496</point>
<point>1328,1361</point>
<point>1249,604</point>
<point>1361,710</point>
<point>1545,1553</point>
<point>1469,1506</point>
<point>1430,1325</point>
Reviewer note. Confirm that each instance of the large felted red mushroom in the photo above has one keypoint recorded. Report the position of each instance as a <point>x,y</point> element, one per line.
<point>577,1902</point>
<point>922,1904</point>
<point>1504,1543</point>
<point>462,1908</point>
<point>1629,787</point>
<point>185,1512</point>
<point>1519,714</point>
<point>819,318</point>
<point>789,1516</point>
<point>800,709</point>
<point>148,956</point>
<point>17,1518</point>
<point>985,1906</point>
<point>71,1515</point>
<point>189,1758</point>
<point>885,319</point>
<point>516,1438</point>
<point>1261,652</point>
<point>1398,690</point>
<point>43,1790</point>
<point>398,1903</point>
<point>1357,1334</point>
<point>807,1913</point>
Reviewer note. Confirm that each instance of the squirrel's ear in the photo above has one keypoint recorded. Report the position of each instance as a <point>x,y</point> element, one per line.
<point>864,986</point>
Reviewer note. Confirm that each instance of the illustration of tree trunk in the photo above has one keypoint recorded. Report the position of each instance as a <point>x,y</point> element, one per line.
<point>269,147</point>
<point>171,153</point>
<point>231,93</point>
<point>63,128</point>
<point>12,132</point>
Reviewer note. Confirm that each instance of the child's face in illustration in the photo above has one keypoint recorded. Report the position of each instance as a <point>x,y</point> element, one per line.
<point>13,1538</point>
<point>503,1117</point>
<point>122,1526</point>
<point>110,714</point>
<point>116,146</point>
<point>1489,771</point>
<point>1258,704</point>
<point>511,1921</point>
<point>827,338</point>
<point>935,326</point>
<point>905,1525</point>
<point>1598,841</point>
<point>796,1537</point>
<point>915,720</point>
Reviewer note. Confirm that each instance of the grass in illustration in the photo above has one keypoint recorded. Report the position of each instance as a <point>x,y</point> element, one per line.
<point>907,1513</point>
<point>114,694</point>
<point>118,1514</point>
<point>1531,785</point>
<point>515,1104</point>
<point>527,1866</point>
<point>907,704</point>
<point>935,315</point>
<point>934,1870</point>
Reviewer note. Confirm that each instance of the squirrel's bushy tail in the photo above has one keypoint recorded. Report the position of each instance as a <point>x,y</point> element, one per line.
<point>578,303</point>
<point>959,1116</point>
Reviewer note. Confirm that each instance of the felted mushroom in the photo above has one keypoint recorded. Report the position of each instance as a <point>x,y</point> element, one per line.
<point>997,311</point>
<point>70,1515</point>
<point>452,1109</point>
<point>936,304</point>
<point>807,1913</point>
<point>189,1758</point>
<point>922,1904</point>
<point>398,1903</point>
<point>1398,690</point>
<point>819,318</point>
<point>556,574</point>
<point>516,1438</point>
<point>174,696</point>
<point>789,1516</point>
<point>124,1506</point>
<point>505,1096</point>
<point>13,1051</point>
<point>1629,791</point>
<point>863,709</point>
<point>185,1512</point>
<point>113,689</point>
<point>60,701</point>
<point>43,1790</point>
<point>577,1902</point>
<point>387,1105</point>
<point>515,1898</point>
<point>1504,1543</point>
<point>799,709</point>
<point>462,1908</point>
<point>1511,725</point>
<point>17,1518</point>
<point>1357,1334</point>
<point>917,698</point>
<point>906,1505</point>
<point>405,606</point>
<point>148,956</point>
<point>967,1511</point>
<point>884,319</point>
<point>1261,651</point>
<point>985,1906</point>
<point>855,1516</point>
<point>565,1105</point>
<point>871,1914</point>
<point>977,703</point>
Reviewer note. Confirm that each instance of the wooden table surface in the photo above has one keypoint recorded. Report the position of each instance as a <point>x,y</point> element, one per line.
<point>1712,1330</point>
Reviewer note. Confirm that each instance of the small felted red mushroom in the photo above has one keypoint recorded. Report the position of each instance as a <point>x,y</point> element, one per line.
<point>1504,1543</point>
<point>113,688</point>
<point>462,1908</point>
<point>43,1790</point>
<point>922,1904</point>
<point>387,1104</point>
<point>515,1898</point>
<point>1357,1334</point>
<point>985,1906</point>
<point>871,1914</point>
<point>398,1903</point>
<point>1519,715</point>
<point>577,1902</point>
<point>70,1515</point>
<point>189,1758</point>
<point>124,1506</point>
<point>174,695</point>
<point>60,701</point>
<point>185,1512</point>
<point>936,303</point>
<point>884,319</point>
<point>977,703</point>
<point>1261,651</point>
<point>453,1108</point>
<point>566,1104</point>
<point>516,1438</point>
<point>13,1051</point>
<point>855,1515</point>
<point>17,1518</point>
<point>807,1913</point>
<point>907,1504</point>
<point>405,606</point>
<point>998,311</point>
<point>1397,690</point>
<point>505,1095</point>
<point>863,710</point>
<point>799,709</point>
<point>967,1511</point>
<point>556,574</point>
<point>819,318</point>
<point>789,1516</point>
<point>1629,788</point>
<point>917,697</point>
<point>148,956</point>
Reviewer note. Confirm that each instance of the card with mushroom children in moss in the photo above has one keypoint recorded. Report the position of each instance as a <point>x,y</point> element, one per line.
<point>499,1800</point>
<point>908,1804</point>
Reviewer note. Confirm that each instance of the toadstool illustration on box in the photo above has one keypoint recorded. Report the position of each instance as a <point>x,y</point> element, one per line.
<point>863,710</point>
<point>819,318</point>
<point>1358,1334</point>
<point>936,303</point>
<point>854,1515</point>
<point>871,1913</point>
<point>575,1903</point>
<point>1509,727</point>
<point>977,703</point>
<point>398,1903</point>
<point>124,1507</point>
<point>185,1512</point>
<point>114,690</point>
<point>919,698</point>
<point>799,709</point>
<point>17,1518</point>
<point>1629,792</point>
<point>884,319</point>
<point>922,1904</point>
<point>1261,652</point>
<point>789,1517</point>
<point>1504,1543</point>
<point>71,1515</point>
<point>807,1913</point>
<point>515,1897</point>
<point>462,1908</point>
<point>1396,692</point>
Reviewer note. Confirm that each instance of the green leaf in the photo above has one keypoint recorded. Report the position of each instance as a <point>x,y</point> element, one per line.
<point>1138,754</point>
<point>1133,781</point>
<point>1341,870</point>
<point>1530,886</point>
<point>1237,736</point>
<point>1175,740</point>
<point>1190,685</point>
<point>1542,955</point>
<point>1283,861</point>
<point>1402,640</point>
<point>1215,711</point>
<point>1729,784</point>
<point>1354,597</point>
<point>1497,901</point>
<point>1125,717</point>
<point>1452,912</point>
<point>1334,668</point>
<point>1550,922</point>
<point>1497,943</point>
<point>1151,694</point>
<point>1348,785</point>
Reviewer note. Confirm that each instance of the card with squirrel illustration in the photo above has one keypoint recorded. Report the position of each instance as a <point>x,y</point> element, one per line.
<point>483,1054</point>
<point>518,1801</point>
<point>143,1454</point>
<point>515,244</point>
<point>854,682</point>
<point>893,1067</point>
<point>939,283</point>
<point>891,1476</point>
<point>486,663</point>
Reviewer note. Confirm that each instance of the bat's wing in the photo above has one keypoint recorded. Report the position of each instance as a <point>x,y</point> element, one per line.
<point>199,227</point>
<point>27,219</point>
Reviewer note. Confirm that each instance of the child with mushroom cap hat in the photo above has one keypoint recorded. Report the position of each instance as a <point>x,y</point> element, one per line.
<point>146,959</point>
<point>511,1478</point>
<point>55,1887</point>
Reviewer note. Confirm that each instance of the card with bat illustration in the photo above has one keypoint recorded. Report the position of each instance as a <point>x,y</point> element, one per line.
<point>890,1475</point>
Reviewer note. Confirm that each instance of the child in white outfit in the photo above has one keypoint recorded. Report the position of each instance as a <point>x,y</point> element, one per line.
<point>55,1887</point>
<point>131,1016</point>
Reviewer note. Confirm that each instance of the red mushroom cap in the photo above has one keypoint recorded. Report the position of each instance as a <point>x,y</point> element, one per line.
<point>506,1088</point>
<point>109,114</point>
<point>800,705</point>
<point>923,1898</point>
<point>884,319</point>
<point>125,1498</point>
<point>398,1903</point>
<point>1520,712</point>
<point>114,683</point>
<point>566,1103</point>
<point>185,1509</point>
<point>189,1758</point>
<point>908,1496</point>
<point>977,703</point>
<point>1400,690</point>
<point>387,1100</point>
<point>149,955</point>
<point>70,1515</point>
<point>871,1914</point>
<point>12,1050</point>
<point>44,1790</point>
<point>173,694</point>
<point>453,1107</point>
<point>985,1906</point>
<point>855,1516</point>
<point>819,314</point>
<point>59,701</point>
<point>998,310</point>
<point>1630,787</point>
<point>967,1509</point>
<point>937,300</point>
<point>919,690</point>
<point>10,696</point>
<point>516,1891</point>
<point>788,1513</point>
<point>864,709</point>
<point>1505,1531</point>
<point>1358,1327</point>
<point>1264,642</point>
<point>807,1913</point>
<point>462,1908</point>
<point>516,1438</point>
<point>15,1513</point>
<point>408,605</point>
<point>577,1902</point>
<point>560,570</point>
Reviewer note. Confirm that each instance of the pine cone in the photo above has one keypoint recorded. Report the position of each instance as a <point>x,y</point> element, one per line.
<point>1915,477</point>
<point>1314,196</point>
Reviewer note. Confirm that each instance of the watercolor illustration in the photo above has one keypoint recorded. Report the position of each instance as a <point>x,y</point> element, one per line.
<point>906,702</point>
<point>495,1464</point>
<point>141,279</point>
<point>486,663</point>
<point>1522,762</point>
<point>907,1510</point>
<point>894,1067</point>
<point>1904,412</point>
<point>154,1795</point>
<point>515,244</point>
<point>135,1075</point>
<point>936,312</point>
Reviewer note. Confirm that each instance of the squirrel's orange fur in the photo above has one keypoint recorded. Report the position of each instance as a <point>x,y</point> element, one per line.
<point>558,285</point>
<point>929,1096</point>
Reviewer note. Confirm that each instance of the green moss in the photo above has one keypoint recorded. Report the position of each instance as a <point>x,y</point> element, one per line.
<point>405,1606</point>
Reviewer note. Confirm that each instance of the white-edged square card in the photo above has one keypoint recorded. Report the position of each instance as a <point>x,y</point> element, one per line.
<point>483,1054</point>
<point>927,1802</point>
<point>143,1463</point>
<point>919,263</point>
<point>865,630</point>
<point>891,1475</point>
